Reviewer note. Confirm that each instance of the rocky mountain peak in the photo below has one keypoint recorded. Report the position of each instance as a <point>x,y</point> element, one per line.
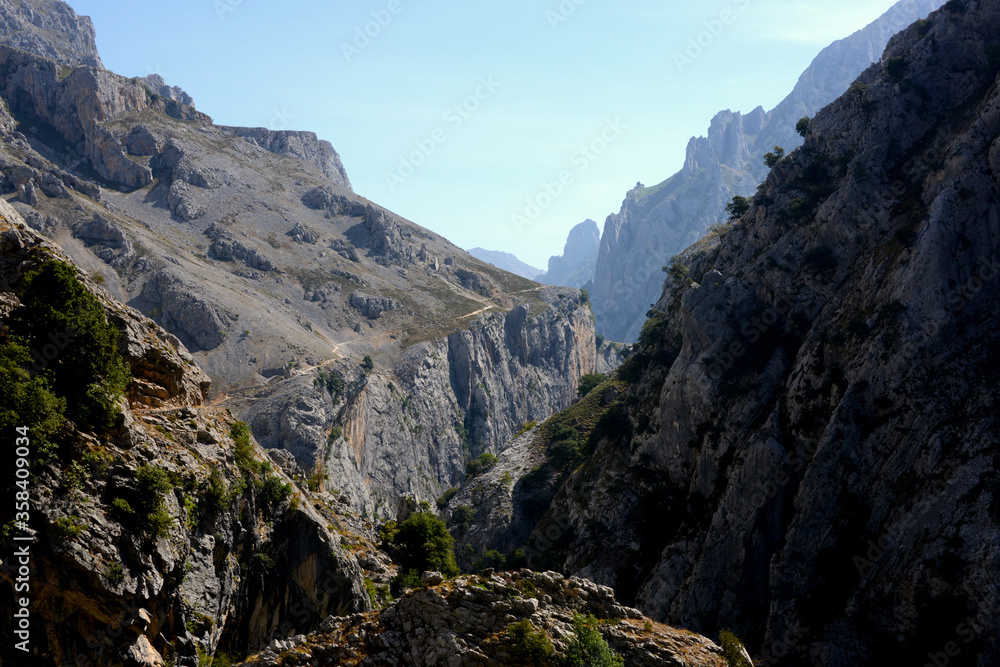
<point>49,28</point>
<point>658,222</point>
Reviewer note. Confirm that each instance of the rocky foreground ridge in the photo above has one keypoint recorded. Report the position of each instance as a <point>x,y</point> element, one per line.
<point>473,620</point>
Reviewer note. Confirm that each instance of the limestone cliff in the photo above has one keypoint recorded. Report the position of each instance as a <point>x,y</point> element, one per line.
<point>575,267</point>
<point>409,425</point>
<point>808,449</point>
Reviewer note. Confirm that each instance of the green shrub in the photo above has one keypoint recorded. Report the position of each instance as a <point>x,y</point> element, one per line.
<point>599,341</point>
<point>737,208</point>
<point>406,579</point>
<point>27,400</point>
<point>315,482</point>
<point>216,493</point>
<point>423,542</point>
<point>243,451</point>
<point>492,559</point>
<point>589,382</point>
<point>58,314</point>
<point>802,127</point>
<point>588,647</point>
<point>75,476</point>
<point>528,645</point>
<point>69,527</point>
<point>115,573</point>
<point>97,462</point>
<point>368,364</point>
<point>147,510</point>
<point>462,517</point>
<point>480,465</point>
<point>445,497</point>
<point>773,158</point>
<point>732,650</point>
<point>191,513</point>
<point>525,427</point>
<point>678,272</point>
<point>274,491</point>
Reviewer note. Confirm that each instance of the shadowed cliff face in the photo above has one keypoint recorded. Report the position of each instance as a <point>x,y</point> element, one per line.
<point>658,222</point>
<point>814,463</point>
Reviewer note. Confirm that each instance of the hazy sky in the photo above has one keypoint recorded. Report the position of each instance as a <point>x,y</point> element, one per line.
<point>458,115</point>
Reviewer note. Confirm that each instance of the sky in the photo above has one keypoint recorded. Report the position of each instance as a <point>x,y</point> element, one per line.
<point>495,124</point>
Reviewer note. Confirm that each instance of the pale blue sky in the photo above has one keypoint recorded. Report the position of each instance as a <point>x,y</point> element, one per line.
<point>554,87</point>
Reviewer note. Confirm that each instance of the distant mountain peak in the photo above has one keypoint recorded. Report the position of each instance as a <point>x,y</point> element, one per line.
<point>506,261</point>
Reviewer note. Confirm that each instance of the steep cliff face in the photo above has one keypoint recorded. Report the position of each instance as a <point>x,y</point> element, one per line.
<point>658,222</point>
<point>575,267</point>
<point>409,425</point>
<point>228,556</point>
<point>49,28</point>
<point>810,450</point>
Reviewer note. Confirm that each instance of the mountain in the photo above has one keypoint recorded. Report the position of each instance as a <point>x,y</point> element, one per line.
<point>658,222</point>
<point>51,29</point>
<point>803,445</point>
<point>507,262</point>
<point>301,358</point>
<point>250,246</point>
<point>575,267</point>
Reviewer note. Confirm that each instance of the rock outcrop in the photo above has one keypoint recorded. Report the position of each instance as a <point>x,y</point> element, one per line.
<point>303,145</point>
<point>156,84</point>
<point>658,222</point>
<point>51,29</point>
<point>575,267</point>
<point>470,621</point>
<point>809,449</point>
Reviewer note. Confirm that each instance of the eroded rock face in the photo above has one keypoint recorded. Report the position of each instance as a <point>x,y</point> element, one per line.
<point>183,309</point>
<point>51,29</point>
<point>304,145</point>
<point>575,267</point>
<point>465,622</point>
<point>810,461</point>
<point>657,223</point>
<point>410,428</point>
